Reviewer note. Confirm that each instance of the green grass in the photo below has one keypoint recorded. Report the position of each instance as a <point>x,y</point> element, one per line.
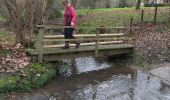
<point>87,11</point>
<point>108,18</point>
<point>116,17</point>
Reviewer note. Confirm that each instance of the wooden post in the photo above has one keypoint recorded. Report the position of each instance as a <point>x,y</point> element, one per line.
<point>135,36</point>
<point>142,16</point>
<point>51,32</point>
<point>97,43</point>
<point>169,15</point>
<point>40,45</point>
<point>131,23</point>
<point>135,39</point>
<point>118,30</point>
<point>155,16</point>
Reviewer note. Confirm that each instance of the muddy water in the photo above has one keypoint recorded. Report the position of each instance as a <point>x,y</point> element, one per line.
<point>87,79</point>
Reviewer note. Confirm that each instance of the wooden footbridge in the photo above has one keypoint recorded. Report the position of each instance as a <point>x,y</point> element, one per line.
<point>103,41</point>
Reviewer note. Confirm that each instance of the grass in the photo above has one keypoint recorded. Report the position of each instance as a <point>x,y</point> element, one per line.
<point>116,17</point>
<point>87,11</point>
<point>114,9</point>
<point>108,18</point>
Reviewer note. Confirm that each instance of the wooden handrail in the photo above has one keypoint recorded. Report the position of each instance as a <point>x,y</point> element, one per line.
<point>83,35</point>
<point>81,27</point>
<point>87,39</point>
<point>84,44</point>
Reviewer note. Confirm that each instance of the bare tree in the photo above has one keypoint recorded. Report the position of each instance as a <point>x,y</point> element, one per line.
<point>122,3</point>
<point>138,4</point>
<point>108,4</point>
<point>23,16</point>
<point>74,3</point>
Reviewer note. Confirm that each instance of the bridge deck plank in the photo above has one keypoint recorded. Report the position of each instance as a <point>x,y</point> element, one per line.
<point>80,49</point>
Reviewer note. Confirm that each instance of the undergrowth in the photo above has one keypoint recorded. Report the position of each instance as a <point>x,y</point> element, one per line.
<point>37,76</point>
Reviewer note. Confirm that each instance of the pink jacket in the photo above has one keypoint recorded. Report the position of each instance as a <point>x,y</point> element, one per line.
<point>70,15</point>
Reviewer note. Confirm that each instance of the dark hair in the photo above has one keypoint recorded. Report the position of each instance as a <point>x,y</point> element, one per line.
<point>68,1</point>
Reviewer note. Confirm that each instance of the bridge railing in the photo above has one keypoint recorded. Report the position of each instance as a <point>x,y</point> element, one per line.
<point>46,39</point>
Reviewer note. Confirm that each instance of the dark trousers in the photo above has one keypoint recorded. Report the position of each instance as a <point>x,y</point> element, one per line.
<point>68,33</point>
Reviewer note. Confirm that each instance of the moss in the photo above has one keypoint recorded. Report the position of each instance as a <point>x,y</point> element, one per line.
<point>37,75</point>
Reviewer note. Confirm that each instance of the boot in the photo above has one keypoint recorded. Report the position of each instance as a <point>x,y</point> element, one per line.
<point>66,45</point>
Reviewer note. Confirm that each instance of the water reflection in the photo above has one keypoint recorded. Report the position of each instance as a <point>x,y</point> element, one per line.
<point>117,87</point>
<point>83,65</point>
<point>149,88</point>
<point>89,64</point>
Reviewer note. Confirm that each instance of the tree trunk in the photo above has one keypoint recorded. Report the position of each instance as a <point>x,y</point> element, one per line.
<point>122,3</point>
<point>138,4</point>
<point>74,3</point>
<point>51,6</point>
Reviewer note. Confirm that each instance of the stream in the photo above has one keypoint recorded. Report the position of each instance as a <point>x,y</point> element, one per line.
<point>89,79</point>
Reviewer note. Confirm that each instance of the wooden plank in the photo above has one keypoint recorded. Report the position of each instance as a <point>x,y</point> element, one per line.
<point>83,35</point>
<point>80,49</point>
<point>87,39</point>
<point>73,55</point>
<point>84,44</point>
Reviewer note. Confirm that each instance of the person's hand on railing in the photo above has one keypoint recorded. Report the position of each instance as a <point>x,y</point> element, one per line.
<point>72,24</point>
